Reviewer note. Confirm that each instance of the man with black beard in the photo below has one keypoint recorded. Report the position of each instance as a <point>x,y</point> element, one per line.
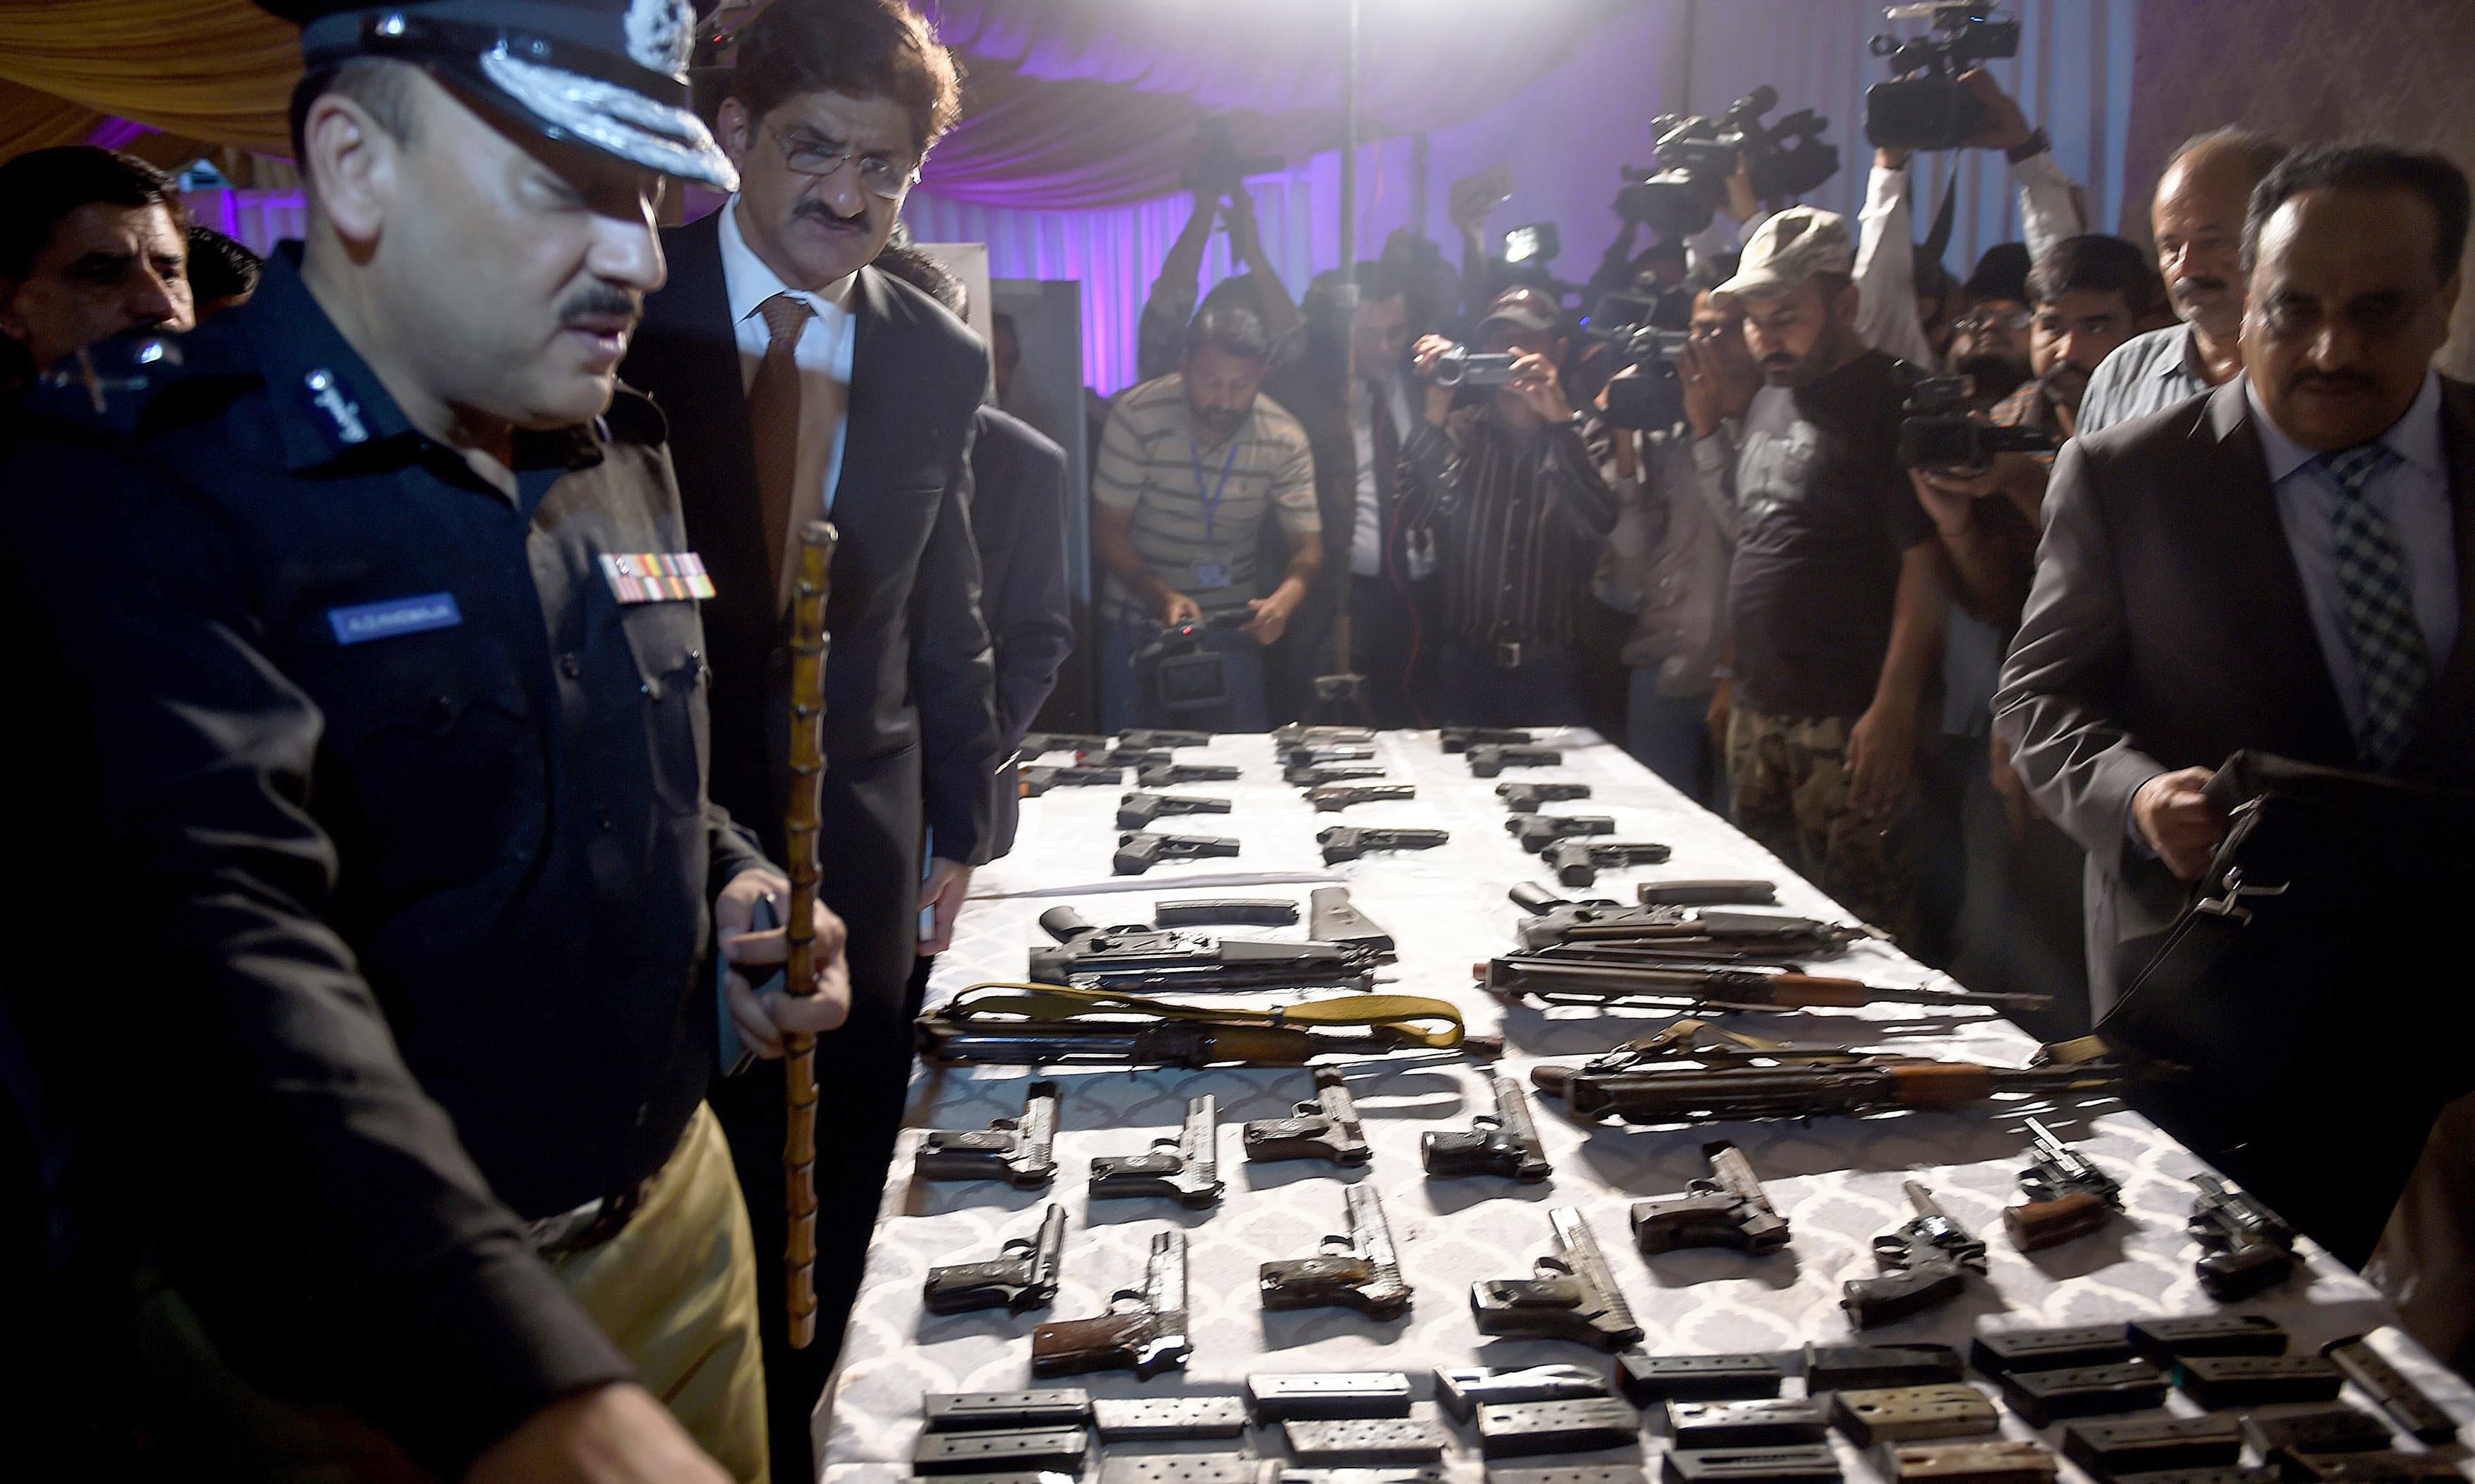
<point>2197,219</point>
<point>1838,595</point>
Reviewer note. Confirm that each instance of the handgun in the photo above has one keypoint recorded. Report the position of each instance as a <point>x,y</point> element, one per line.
<point>1137,758</point>
<point>2248,1247</point>
<point>1170,775</point>
<point>1927,1263</point>
<point>1576,863</point>
<point>1321,754</point>
<point>1160,737</point>
<point>2068,1195</point>
<point>1297,734</point>
<point>1504,1142</point>
<point>1199,911</point>
<point>1143,959</point>
<point>1139,850</point>
<point>1331,917</point>
<point>1143,805</point>
<point>1524,798</point>
<point>1319,775</point>
<point>1037,781</point>
<point>1018,1150</point>
<point>1333,798</point>
<point>1023,1278</point>
<point>1143,1332</point>
<point>1348,841</point>
<point>1326,1129</point>
<point>1461,738</point>
<point>1534,832</point>
<point>1570,1295</point>
<point>1487,762</point>
<point>1727,1209</point>
<point>1041,744</point>
<point>1357,1270</point>
<point>1186,1168</point>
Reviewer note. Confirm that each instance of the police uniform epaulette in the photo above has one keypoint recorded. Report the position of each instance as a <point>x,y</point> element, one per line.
<point>143,382</point>
<point>634,418</point>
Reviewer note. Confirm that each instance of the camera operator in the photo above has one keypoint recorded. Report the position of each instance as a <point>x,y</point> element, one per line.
<point>1891,312</point>
<point>1989,338</point>
<point>1838,594</point>
<point>2197,219</point>
<point>1497,482</point>
<point>1160,336</point>
<point>1666,562</point>
<point>1188,468</point>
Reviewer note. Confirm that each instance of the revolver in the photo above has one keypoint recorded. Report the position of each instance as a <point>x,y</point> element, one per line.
<point>1504,1143</point>
<point>1524,798</point>
<point>1138,850</point>
<point>2249,1247</point>
<point>1037,781</point>
<point>1039,743</point>
<point>1326,1129</point>
<point>1576,863</point>
<point>1186,1169</point>
<point>1928,1261</point>
<point>1348,841</point>
<point>1168,775</point>
<point>1160,737</point>
<point>1014,1150</point>
<point>1727,1209</point>
<point>1333,797</point>
<point>1536,832</point>
<point>1315,775</point>
<point>1022,1279</point>
<point>1143,1331</point>
<point>1571,1295</point>
<point>1487,761</point>
<point>1461,738</point>
<point>1355,1270</point>
<point>2068,1195</point>
<point>1143,805</point>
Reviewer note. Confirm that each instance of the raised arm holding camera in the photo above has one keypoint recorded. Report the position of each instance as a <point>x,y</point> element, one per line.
<point>1160,336</point>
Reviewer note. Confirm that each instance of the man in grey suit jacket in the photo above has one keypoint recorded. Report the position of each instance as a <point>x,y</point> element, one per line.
<point>2282,564</point>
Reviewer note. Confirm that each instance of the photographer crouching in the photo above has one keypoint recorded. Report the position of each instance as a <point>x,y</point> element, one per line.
<point>1500,491</point>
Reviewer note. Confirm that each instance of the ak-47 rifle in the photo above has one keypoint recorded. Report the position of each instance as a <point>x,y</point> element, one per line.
<point>1354,1271</point>
<point>1004,1024</point>
<point>1134,956</point>
<point>1606,928</point>
<point>810,595</point>
<point>1561,979</point>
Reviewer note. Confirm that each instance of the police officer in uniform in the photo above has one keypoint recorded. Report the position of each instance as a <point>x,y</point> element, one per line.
<point>375,774</point>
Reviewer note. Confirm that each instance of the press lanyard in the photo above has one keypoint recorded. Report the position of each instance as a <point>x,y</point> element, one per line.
<point>1211,502</point>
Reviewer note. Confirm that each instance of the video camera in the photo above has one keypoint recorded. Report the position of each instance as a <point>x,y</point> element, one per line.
<point>1182,674</point>
<point>1941,432</point>
<point>1930,111</point>
<point>1696,157</point>
<point>1461,366</point>
<point>1217,168</point>
<point>1653,398</point>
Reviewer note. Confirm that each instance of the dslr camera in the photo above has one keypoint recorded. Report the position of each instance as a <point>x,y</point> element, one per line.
<point>1178,672</point>
<point>1696,157</point>
<point>1217,166</point>
<point>1941,431</point>
<point>1924,107</point>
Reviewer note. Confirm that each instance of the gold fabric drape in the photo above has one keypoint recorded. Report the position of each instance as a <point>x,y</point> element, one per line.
<point>217,70</point>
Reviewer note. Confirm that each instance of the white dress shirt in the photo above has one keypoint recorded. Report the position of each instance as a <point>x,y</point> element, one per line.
<point>823,357</point>
<point>2412,493</point>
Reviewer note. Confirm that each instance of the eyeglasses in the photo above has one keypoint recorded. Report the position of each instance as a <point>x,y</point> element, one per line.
<point>1984,319</point>
<point>816,158</point>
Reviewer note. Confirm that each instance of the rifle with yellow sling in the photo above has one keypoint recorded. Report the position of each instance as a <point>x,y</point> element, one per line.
<point>1032,1025</point>
<point>808,643</point>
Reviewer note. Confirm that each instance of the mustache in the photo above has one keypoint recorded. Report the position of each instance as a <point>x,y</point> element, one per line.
<point>816,208</point>
<point>2332,380</point>
<point>600,301</point>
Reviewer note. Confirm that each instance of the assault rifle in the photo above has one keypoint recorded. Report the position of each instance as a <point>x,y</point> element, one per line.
<point>1348,841</point>
<point>1135,957</point>
<point>1000,1025</point>
<point>1729,1209</point>
<point>1842,1086</point>
<point>1677,931</point>
<point>1555,979</point>
<point>2248,1247</point>
<point>1142,807</point>
<point>1023,1277</point>
<point>1139,850</point>
<point>2068,1195</point>
<point>1571,1295</point>
<point>1929,1260</point>
<point>1144,1331</point>
<point>1356,1271</point>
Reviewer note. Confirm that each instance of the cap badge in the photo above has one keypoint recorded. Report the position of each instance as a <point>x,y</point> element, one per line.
<point>660,34</point>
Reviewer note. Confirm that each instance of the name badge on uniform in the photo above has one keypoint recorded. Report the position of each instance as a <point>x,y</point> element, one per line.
<point>656,577</point>
<point>363,623</point>
<point>1210,575</point>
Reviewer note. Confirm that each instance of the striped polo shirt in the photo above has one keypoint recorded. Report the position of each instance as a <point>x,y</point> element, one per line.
<point>2146,374</point>
<point>1154,465</point>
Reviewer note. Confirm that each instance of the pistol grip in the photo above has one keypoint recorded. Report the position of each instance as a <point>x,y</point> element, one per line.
<point>1896,1296</point>
<point>1074,1345</point>
<point>2041,1224</point>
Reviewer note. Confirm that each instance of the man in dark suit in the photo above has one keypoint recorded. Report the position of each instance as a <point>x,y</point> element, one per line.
<point>2284,565</point>
<point>800,382</point>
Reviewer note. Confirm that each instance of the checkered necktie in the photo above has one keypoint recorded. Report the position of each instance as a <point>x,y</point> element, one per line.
<point>2379,608</point>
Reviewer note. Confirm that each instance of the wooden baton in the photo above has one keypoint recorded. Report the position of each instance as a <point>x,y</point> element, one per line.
<point>808,643</point>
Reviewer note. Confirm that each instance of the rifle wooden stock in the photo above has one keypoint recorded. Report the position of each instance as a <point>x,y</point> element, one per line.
<point>1941,1085</point>
<point>808,641</point>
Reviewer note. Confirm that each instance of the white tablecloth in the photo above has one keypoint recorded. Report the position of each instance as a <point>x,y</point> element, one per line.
<point>1838,1180</point>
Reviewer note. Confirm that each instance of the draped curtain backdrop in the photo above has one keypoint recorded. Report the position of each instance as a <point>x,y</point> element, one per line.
<point>1080,115</point>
